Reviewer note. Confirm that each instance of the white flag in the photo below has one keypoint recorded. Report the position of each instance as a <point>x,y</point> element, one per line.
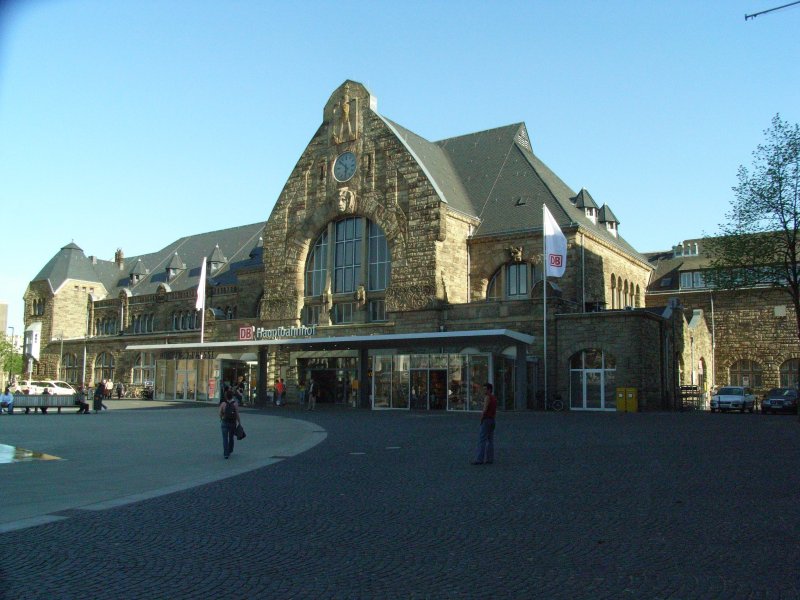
<point>555,246</point>
<point>201,288</point>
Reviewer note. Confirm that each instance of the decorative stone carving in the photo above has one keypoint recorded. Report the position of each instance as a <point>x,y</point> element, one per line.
<point>410,298</point>
<point>360,296</point>
<point>516,253</point>
<point>346,201</point>
<point>345,127</point>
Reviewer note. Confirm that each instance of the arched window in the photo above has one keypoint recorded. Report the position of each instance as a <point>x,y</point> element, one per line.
<point>176,321</point>
<point>103,367</point>
<point>519,278</point>
<point>790,373</point>
<point>349,245</point>
<point>71,369</point>
<point>746,373</point>
<point>593,377</point>
<point>144,368</point>
<point>637,301</point>
<point>613,291</point>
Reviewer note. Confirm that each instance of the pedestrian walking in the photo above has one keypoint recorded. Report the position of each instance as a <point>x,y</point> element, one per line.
<point>99,394</point>
<point>484,454</point>
<point>280,390</point>
<point>229,419</point>
<point>109,388</point>
<point>312,394</point>
<point>120,391</point>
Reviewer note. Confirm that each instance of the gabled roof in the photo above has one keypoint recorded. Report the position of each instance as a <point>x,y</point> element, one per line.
<point>436,163</point>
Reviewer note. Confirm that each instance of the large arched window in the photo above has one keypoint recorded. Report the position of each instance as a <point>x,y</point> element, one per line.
<point>103,367</point>
<point>790,373</point>
<point>513,281</point>
<point>347,252</point>
<point>71,369</point>
<point>144,368</point>
<point>593,378</point>
<point>746,373</point>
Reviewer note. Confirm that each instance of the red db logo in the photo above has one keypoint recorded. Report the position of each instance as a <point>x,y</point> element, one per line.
<point>555,260</point>
<point>245,333</point>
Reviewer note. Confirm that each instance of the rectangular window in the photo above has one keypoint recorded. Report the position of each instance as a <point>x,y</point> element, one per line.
<point>311,315</point>
<point>686,280</point>
<point>698,280</point>
<point>517,280</point>
<point>343,313</point>
<point>347,256</point>
<point>377,311</point>
<point>378,260</point>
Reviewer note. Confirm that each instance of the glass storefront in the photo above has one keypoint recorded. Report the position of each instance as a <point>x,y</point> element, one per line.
<point>430,381</point>
<point>201,380</point>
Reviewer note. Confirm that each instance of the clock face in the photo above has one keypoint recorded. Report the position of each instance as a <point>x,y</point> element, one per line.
<point>345,166</point>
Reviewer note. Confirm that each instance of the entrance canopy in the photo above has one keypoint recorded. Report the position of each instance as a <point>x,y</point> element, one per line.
<point>352,342</point>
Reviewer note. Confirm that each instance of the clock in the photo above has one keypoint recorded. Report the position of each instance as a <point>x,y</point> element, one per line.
<point>345,166</point>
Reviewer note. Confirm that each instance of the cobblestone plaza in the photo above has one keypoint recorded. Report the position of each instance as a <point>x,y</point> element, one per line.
<point>386,505</point>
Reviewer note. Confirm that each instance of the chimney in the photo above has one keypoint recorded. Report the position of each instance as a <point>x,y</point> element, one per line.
<point>119,258</point>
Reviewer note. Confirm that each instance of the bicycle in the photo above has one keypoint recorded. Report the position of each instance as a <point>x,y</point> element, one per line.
<point>556,404</point>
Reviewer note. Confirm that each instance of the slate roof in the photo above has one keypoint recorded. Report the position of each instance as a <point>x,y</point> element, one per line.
<point>668,267</point>
<point>240,244</point>
<point>606,216</point>
<point>584,199</point>
<point>506,184</point>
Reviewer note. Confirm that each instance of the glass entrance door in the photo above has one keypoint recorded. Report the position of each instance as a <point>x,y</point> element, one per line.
<point>419,389</point>
<point>185,378</point>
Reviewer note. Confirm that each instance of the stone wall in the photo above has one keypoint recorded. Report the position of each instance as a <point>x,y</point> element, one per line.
<point>633,338</point>
<point>746,326</point>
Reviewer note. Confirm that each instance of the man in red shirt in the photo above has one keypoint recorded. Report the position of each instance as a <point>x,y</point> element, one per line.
<point>485,452</point>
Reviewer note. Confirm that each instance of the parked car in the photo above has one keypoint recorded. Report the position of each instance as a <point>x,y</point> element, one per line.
<point>780,400</point>
<point>27,386</point>
<point>733,398</point>
<point>59,388</point>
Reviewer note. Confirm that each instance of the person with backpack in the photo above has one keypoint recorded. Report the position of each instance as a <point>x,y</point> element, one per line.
<point>229,419</point>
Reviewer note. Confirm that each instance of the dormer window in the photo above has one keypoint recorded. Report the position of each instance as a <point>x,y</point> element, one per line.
<point>591,214</point>
<point>216,260</point>
<point>175,267</point>
<point>612,228</point>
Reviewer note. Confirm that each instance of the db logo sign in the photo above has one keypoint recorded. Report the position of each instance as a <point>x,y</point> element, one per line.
<point>555,260</point>
<point>246,333</point>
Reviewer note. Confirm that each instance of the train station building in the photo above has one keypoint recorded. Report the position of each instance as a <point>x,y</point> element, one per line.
<point>396,272</point>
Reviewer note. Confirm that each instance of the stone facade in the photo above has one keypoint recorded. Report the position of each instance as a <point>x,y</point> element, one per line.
<point>448,237</point>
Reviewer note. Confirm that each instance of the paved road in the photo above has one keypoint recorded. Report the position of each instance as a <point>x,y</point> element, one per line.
<point>387,506</point>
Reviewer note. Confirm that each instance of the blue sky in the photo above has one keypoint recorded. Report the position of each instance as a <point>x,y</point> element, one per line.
<point>128,124</point>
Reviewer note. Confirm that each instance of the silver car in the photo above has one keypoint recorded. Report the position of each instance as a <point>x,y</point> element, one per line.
<point>733,398</point>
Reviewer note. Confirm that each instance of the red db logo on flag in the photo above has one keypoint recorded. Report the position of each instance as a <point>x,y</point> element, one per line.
<point>555,260</point>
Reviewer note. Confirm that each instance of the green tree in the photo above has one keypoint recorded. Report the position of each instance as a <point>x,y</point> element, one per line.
<point>10,358</point>
<point>757,245</point>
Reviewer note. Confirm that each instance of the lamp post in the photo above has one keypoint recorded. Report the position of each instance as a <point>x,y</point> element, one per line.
<point>13,348</point>
<point>60,357</point>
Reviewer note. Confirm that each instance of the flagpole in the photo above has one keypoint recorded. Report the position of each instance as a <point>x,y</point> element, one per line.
<point>544,301</point>
<point>201,299</point>
<point>554,252</point>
